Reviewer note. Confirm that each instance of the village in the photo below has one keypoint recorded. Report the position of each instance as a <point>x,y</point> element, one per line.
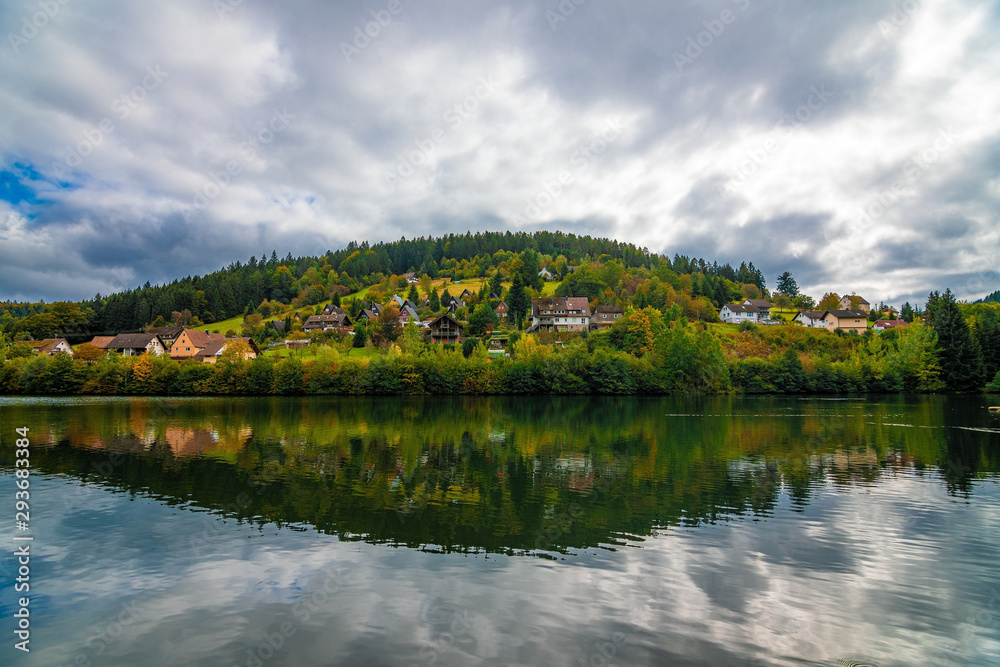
<point>369,321</point>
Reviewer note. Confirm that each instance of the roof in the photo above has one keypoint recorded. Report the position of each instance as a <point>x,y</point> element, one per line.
<point>132,341</point>
<point>335,320</point>
<point>740,308</point>
<point>855,296</point>
<point>760,303</point>
<point>609,309</point>
<point>566,303</point>
<point>812,314</point>
<point>888,324</point>
<point>201,339</point>
<point>442,317</point>
<point>847,313</point>
<point>279,325</point>
<point>102,341</point>
<point>166,332</point>
<point>48,345</point>
<point>216,347</point>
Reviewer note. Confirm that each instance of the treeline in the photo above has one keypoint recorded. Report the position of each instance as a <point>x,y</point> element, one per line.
<point>240,288</point>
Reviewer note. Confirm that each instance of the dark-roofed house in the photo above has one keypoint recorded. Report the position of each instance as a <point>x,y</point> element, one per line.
<point>279,325</point>
<point>848,320</point>
<point>327,322</point>
<point>130,345</point>
<point>604,317</point>
<point>51,346</point>
<point>191,342</point>
<point>763,305</point>
<point>406,314</point>
<point>560,313</point>
<point>445,329</point>
<point>810,318</point>
<point>331,309</point>
<point>738,313</point>
<point>371,312</point>
<point>215,348</point>
<point>167,334</point>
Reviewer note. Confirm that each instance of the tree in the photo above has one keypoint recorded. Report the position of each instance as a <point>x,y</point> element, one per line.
<point>434,301</point>
<point>830,301</point>
<point>236,351</point>
<point>360,335</point>
<point>517,301</point>
<point>496,284</point>
<point>388,323</point>
<point>787,285</point>
<point>482,320</point>
<point>89,353</point>
<point>413,295</point>
<point>530,266</point>
<point>962,366</point>
<point>987,335</point>
<point>253,324</point>
<point>907,312</point>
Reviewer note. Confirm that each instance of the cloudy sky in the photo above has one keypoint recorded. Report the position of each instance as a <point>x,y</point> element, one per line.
<point>856,144</point>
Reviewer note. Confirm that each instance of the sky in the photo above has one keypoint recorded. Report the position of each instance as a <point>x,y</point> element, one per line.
<point>855,144</point>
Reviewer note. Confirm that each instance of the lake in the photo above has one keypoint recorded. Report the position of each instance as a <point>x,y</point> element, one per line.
<point>510,530</point>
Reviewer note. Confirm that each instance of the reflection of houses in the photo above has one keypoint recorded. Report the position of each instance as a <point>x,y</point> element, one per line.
<point>131,345</point>
<point>191,342</point>
<point>445,329</point>
<point>189,441</point>
<point>329,322</point>
<point>50,346</point>
<point>604,317</point>
<point>854,302</point>
<point>560,313</point>
<point>738,313</point>
<point>215,349</point>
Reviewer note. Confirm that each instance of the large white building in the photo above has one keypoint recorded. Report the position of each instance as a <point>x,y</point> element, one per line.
<point>557,313</point>
<point>738,313</point>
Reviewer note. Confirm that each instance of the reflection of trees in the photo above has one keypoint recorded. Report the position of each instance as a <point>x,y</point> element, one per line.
<point>499,474</point>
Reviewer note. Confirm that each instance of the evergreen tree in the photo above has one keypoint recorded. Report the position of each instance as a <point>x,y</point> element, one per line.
<point>496,284</point>
<point>961,359</point>
<point>787,285</point>
<point>434,301</point>
<point>987,334</point>
<point>517,301</point>
<point>336,299</point>
<point>413,295</point>
<point>906,312</point>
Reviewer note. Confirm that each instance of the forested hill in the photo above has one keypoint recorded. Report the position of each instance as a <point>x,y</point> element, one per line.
<point>991,298</point>
<point>241,287</point>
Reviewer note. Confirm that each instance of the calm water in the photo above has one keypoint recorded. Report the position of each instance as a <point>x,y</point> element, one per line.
<point>529,531</point>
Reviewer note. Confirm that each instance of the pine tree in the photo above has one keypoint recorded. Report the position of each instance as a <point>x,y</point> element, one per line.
<point>434,301</point>
<point>987,334</point>
<point>961,359</point>
<point>517,301</point>
<point>413,295</point>
<point>787,285</point>
<point>496,285</point>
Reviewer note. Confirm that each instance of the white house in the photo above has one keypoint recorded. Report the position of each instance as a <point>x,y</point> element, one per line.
<point>738,313</point>
<point>811,318</point>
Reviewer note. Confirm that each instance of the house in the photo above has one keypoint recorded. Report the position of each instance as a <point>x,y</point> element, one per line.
<point>296,343</point>
<point>331,309</point>
<point>762,305</point>
<point>211,354</point>
<point>546,274</point>
<point>131,345</point>
<point>452,303</point>
<point>406,314</point>
<point>605,316</point>
<point>501,309</point>
<point>327,322</point>
<point>411,277</point>
<point>191,342</point>
<point>279,325</point>
<point>445,329</point>
<point>371,312</point>
<point>167,334</point>
<point>410,304</point>
<point>497,345</point>
<point>466,294</point>
<point>101,341</point>
<point>810,318</point>
<point>738,313</point>
<point>397,301</point>
<point>854,302</point>
<point>885,325</point>
<point>560,313</point>
<point>848,320</point>
<point>51,346</point>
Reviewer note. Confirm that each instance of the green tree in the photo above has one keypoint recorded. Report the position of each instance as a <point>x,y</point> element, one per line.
<point>987,335</point>
<point>413,295</point>
<point>434,301</point>
<point>961,359</point>
<point>360,335</point>
<point>496,284</point>
<point>787,285</point>
<point>906,313</point>
<point>518,303</point>
<point>482,320</point>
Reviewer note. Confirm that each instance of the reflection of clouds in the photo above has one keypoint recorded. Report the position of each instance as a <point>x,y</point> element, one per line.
<point>843,580</point>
